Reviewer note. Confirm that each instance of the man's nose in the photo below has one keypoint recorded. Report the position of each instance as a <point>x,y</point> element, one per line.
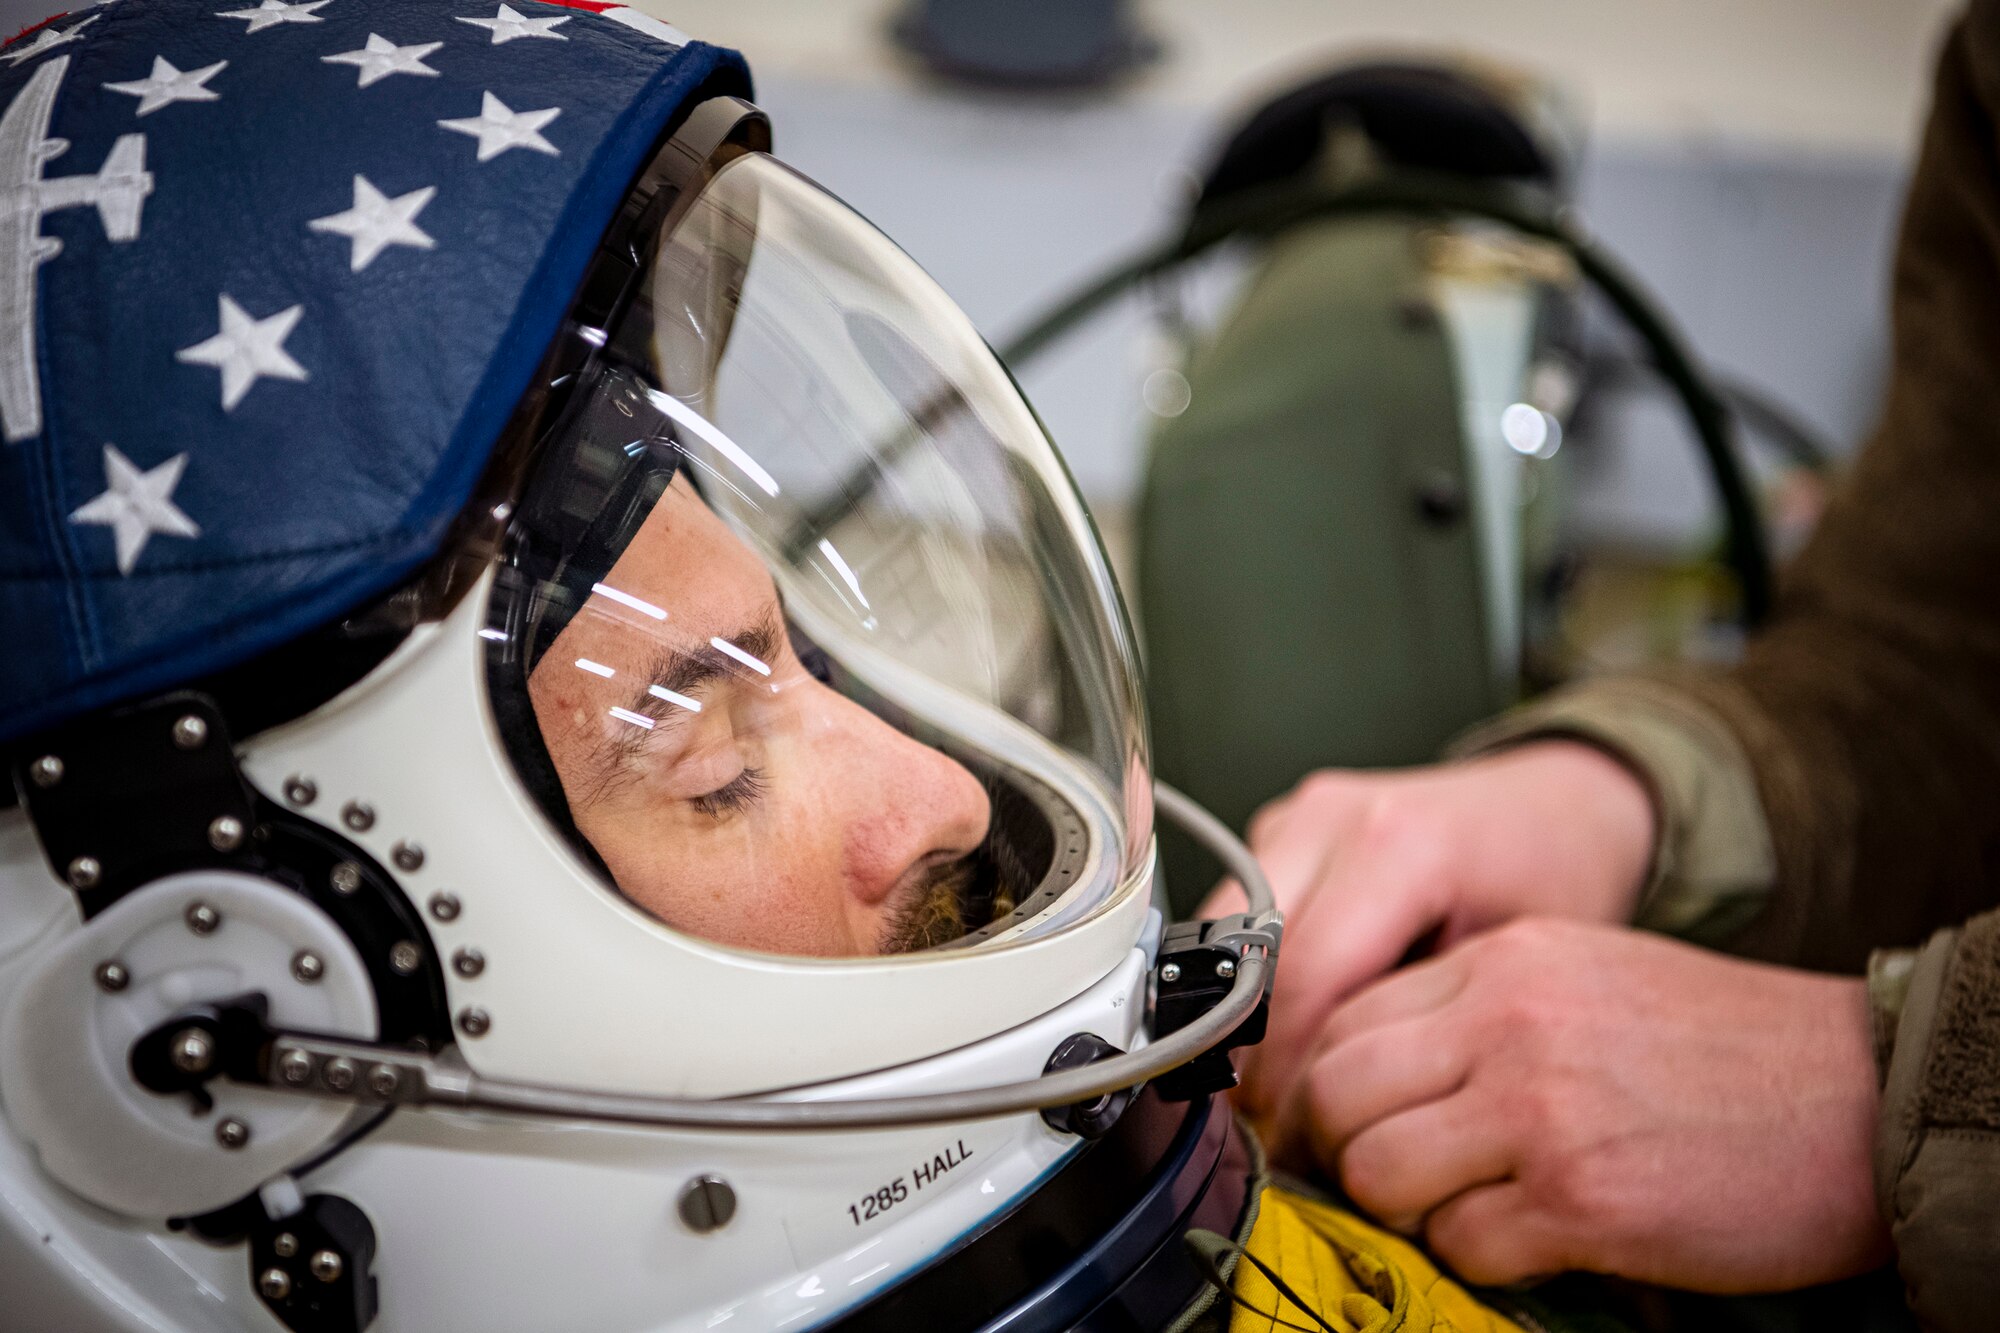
<point>908,804</point>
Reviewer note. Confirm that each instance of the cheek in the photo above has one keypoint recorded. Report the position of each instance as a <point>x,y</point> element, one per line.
<point>754,882</point>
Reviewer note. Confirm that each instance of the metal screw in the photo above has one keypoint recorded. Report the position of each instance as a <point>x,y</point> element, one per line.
<point>284,1245</point>
<point>84,872</point>
<point>474,1022</point>
<point>338,1074</point>
<point>405,957</point>
<point>1226,968</point>
<point>301,791</point>
<point>346,878</point>
<point>408,856</point>
<point>225,833</point>
<point>1170,971</point>
<point>111,976</point>
<point>468,963</point>
<point>358,815</point>
<point>307,967</point>
<point>325,1265</point>
<point>231,1132</point>
<point>46,771</point>
<point>191,732</point>
<point>295,1067</point>
<point>274,1284</point>
<point>193,1051</point>
<point>383,1080</point>
<point>444,906</point>
<point>202,919</point>
<point>707,1203</point>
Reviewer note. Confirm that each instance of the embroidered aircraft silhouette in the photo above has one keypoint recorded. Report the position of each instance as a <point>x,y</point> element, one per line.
<point>118,191</point>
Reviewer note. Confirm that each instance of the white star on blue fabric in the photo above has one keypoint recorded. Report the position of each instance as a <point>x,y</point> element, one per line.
<point>499,129</point>
<point>377,222</point>
<point>509,24</point>
<point>273,12</point>
<point>382,57</point>
<point>166,85</point>
<point>48,39</point>
<point>247,350</point>
<point>136,504</point>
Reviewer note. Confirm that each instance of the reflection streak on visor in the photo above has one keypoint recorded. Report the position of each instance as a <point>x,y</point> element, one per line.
<point>627,599</point>
<point>725,646</point>
<point>841,567</point>
<point>694,421</point>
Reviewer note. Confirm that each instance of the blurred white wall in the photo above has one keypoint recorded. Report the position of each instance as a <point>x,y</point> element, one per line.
<point>1744,156</point>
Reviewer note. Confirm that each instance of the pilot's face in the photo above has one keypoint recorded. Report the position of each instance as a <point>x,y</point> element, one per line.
<point>731,793</point>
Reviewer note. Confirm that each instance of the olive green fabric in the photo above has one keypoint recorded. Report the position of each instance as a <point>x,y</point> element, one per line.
<point>1300,603</point>
<point>1868,716</point>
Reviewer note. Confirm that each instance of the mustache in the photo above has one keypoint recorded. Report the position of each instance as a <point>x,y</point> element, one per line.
<point>933,913</point>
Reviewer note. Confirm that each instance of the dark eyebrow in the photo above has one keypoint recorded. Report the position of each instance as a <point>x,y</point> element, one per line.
<point>680,672</point>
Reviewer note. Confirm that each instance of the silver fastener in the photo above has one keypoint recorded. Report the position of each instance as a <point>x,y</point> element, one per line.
<point>346,878</point>
<point>338,1074</point>
<point>202,919</point>
<point>46,771</point>
<point>307,966</point>
<point>111,976</point>
<point>474,1022</point>
<point>325,1265</point>
<point>405,957</point>
<point>407,856</point>
<point>284,1245</point>
<point>193,1051</point>
<point>225,833</point>
<point>468,963</point>
<point>707,1203</point>
<point>231,1132</point>
<point>191,732</point>
<point>1170,971</point>
<point>1226,968</point>
<point>295,1067</point>
<point>274,1284</point>
<point>383,1080</point>
<point>444,906</point>
<point>84,872</point>
<point>358,815</point>
<point>300,791</point>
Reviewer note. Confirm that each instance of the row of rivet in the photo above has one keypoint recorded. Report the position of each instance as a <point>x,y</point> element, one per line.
<point>359,816</point>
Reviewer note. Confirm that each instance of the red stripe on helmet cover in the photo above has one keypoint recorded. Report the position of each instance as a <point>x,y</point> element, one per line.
<point>37,27</point>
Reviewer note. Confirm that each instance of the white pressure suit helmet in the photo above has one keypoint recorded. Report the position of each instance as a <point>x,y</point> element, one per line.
<point>578,763</point>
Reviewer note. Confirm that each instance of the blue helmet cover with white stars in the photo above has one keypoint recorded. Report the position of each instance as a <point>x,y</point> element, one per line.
<point>273,276</point>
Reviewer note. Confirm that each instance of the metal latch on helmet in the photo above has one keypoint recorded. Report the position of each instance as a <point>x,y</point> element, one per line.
<point>120,799</point>
<point>1196,969</point>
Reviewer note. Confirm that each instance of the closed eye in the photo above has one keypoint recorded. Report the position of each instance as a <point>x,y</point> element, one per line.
<point>739,793</point>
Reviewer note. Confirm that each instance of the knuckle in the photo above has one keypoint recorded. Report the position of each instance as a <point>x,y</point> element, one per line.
<point>1398,821</point>
<point>1471,1251</point>
<point>1368,1175</point>
<point>1578,1190</point>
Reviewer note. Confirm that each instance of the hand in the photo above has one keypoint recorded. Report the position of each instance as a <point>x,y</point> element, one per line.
<point>1555,1096</point>
<point>1367,865</point>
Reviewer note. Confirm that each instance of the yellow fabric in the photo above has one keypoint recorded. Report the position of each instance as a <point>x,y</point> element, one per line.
<point>1355,1276</point>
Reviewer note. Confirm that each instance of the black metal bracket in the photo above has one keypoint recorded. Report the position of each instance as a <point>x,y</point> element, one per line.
<point>122,798</point>
<point>314,1270</point>
<point>1196,968</point>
